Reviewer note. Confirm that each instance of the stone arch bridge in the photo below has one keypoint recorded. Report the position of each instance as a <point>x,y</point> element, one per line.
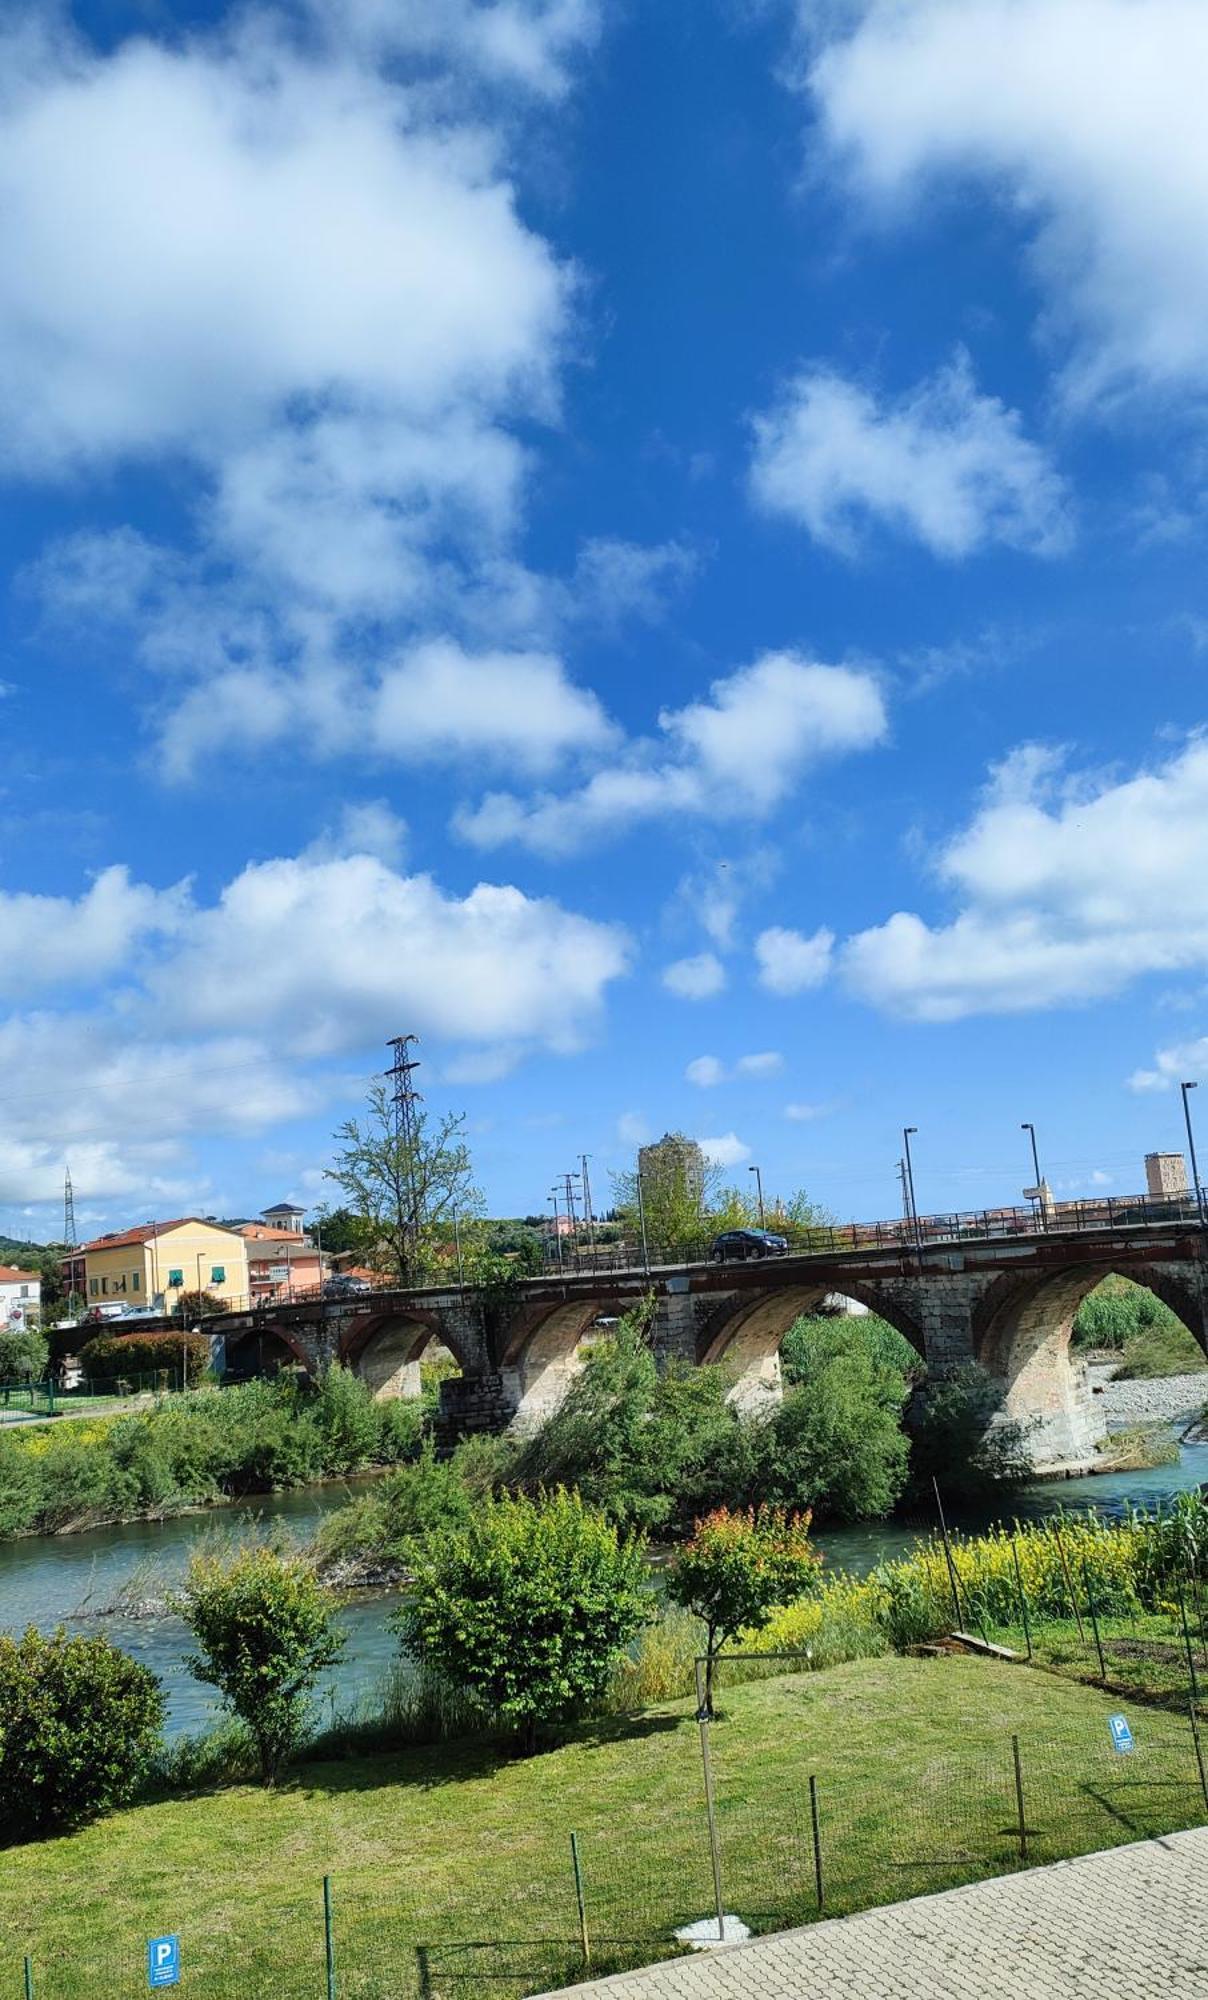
<point>1007,1302</point>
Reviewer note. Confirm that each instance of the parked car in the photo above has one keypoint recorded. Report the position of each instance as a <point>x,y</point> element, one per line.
<point>737,1243</point>
<point>344,1287</point>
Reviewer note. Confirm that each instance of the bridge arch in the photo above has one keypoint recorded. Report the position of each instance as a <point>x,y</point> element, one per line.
<point>544,1353</point>
<point>385,1349</point>
<point>744,1335</point>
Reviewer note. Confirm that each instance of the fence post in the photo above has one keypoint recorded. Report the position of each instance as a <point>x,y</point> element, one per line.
<point>1090,1605</point>
<point>706,1758</point>
<point>1069,1581</point>
<point>1199,1751</point>
<point>1023,1597</point>
<point>329,1939</point>
<point>1195,1688</point>
<point>29,1978</point>
<point>817,1832</point>
<point>956,1599</point>
<point>1023,1825</point>
<point>583,1937</point>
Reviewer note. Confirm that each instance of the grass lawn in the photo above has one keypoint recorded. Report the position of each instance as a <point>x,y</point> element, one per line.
<point>451,1867</point>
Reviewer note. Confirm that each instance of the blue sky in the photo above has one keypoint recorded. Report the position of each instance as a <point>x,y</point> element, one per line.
<point>660,549</point>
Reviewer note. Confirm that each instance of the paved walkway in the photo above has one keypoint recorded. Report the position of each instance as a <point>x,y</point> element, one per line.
<point>1131,1924</point>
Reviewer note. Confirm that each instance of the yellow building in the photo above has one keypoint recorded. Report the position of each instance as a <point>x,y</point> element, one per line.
<point>152,1265</point>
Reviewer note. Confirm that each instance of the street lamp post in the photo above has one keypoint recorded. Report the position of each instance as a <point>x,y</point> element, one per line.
<point>1031,1132</point>
<point>1195,1172</point>
<point>642,1221</point>
<point>461,1274</point>
<point>759,1191</point>
<point>909,1132</point>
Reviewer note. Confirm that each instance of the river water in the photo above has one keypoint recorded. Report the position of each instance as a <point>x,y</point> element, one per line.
<point>77,1579</point>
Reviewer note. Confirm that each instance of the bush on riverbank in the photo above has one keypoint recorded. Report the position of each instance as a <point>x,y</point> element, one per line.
<point>1126,1319</point>
<point>80,1728</point>
<point>194,1450</point>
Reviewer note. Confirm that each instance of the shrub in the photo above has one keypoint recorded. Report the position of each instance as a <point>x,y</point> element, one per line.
<point>525,1608</point>
<point>266,1631</point>
<point>738,1569</point>
<point>80,1727</point>
<point>836,1443</point>
<point>347,1420</point>
<point>843,1620</point>
<point>109,1356</point>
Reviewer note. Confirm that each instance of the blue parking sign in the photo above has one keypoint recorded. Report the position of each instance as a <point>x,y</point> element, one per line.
<point>163,1961</point>
<point>1122,1736</point>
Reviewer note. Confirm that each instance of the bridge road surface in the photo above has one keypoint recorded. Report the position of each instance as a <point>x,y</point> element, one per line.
<point>1129,1924</point>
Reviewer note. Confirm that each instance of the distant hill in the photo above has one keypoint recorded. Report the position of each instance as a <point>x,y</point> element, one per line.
<point>16,1250</point>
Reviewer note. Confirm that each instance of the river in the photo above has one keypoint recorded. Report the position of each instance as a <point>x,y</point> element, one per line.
<point>75,1579</point>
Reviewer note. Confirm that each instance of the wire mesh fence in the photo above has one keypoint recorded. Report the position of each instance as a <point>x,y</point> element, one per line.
<point>531,1908</point>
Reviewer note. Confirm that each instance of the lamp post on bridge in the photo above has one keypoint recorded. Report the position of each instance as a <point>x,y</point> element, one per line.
<point>1031,1132</point>
<point>1187,1115</point>
<point>909,1132</point>
<point>759,1191</point>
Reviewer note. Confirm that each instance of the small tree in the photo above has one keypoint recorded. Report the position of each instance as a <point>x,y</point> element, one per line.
<point>739,1568</point>
<point>80,1726</point>
<point>397,1185</point>
<point>23,1355</point>
<point>524,1609</point>
<point>194,1307</point>
<point>265,1628</point>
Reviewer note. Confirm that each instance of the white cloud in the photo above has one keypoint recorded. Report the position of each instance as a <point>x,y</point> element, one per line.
<point>517,708</point>
<point>1071,889</point>
<point>805,1114</point>
<point>789,962</point>
<point>632,1128</point>
<point>726,1151</point>
<point>366,826</point>
<point>707,1071</point>
<point>308,289</point>
<point>698,978</point>
<point>765,1062</point>
<point>614,580</point>
<point>735,755</point>
<point>225,1018</point>
<point>944,464</point>
<point>1084,118</point>
<point>53,940</point>
<point>299,237</point>
<point>1183,1062</point>
<point>328,953</point>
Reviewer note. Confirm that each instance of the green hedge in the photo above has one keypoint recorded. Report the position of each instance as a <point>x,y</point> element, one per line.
<point>130,1355</point>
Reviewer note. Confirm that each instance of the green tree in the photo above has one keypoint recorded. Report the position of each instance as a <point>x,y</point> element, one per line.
<point>265,1631</point>
<point>836,1442</point>
<point>401,1188</point>
<point>23,1355</point>
<point>524,1608</point>
<point>739,1568</point>
<point>194,1307</point>
<point>80,1727</point>
<point>341,1231</point>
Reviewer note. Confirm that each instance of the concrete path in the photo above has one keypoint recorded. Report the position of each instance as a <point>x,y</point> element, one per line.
<point>1131,1924</point>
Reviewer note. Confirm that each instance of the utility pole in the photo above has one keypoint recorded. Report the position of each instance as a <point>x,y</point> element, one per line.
<point>69,1221</point>
<point>553,1195</point>
<point>591,1220</point>
<point>406,1134</point>
<point>905,1190</point>
<point>566,1180</point>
